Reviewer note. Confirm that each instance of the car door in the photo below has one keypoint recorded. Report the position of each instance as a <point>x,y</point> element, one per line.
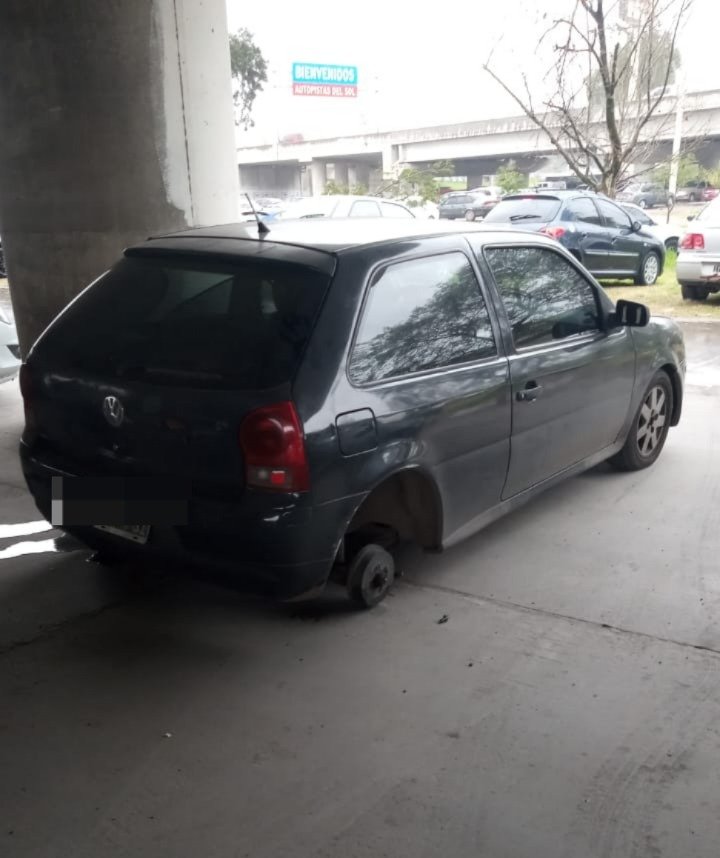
<point>625,246</point>
<point>588,233</point>
<point>572,379</point>
<point>427,363</point>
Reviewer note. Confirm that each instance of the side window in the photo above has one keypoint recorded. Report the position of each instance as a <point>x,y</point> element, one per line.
<point>581,209</point>
<point>545,297</point>
<point>420,315</point>
<point>394,210</point>
<point>364,208</point>
<point>614,216</point>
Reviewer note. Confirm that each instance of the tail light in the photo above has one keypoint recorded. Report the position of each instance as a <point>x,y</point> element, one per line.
<point>555,232</point>
<point>272,442</point>
<point>693,241</point>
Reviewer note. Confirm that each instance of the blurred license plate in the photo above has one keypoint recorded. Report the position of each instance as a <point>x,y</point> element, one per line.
<point>139,533</point>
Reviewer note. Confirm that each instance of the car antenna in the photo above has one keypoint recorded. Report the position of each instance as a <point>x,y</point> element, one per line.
<point>263,228</point>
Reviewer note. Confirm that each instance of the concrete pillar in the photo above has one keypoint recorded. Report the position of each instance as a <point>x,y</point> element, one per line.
<point>359,174</point>
<point>318,177</point>
<point>341,173</point>
<point>305,180</point>
<point>117,122</point>
<point>389,159</point>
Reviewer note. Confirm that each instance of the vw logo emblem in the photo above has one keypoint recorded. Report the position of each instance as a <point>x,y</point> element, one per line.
<point>113,410</point>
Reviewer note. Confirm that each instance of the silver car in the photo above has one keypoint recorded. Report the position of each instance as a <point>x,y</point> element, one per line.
<point>9,348</point>
<point>698,262</point>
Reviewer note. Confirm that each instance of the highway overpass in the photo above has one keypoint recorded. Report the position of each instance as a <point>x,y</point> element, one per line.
<point>476,148</point>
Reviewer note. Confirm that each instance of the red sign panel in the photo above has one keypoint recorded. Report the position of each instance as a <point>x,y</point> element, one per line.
<point>330,90</point>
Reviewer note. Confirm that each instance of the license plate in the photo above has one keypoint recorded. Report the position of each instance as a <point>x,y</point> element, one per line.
<point>139,533</point>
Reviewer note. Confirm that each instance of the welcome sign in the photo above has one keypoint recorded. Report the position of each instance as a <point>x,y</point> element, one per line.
<point>325,80</point>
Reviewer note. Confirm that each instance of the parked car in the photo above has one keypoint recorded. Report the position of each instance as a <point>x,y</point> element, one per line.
<point>344,205</point>
<point>693,192</point>
<point>467,204</point>
<point>668,233</point>
<point>645,194</point>
<point>593,228</point>
<point>9,348</point>
<point>289,408</point>
<point>698,262</point>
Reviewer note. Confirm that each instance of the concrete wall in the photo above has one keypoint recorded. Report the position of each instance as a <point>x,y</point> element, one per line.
<point>116,122</point>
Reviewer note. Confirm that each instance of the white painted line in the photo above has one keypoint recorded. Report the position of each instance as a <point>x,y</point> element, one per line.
<point>44,546</point>
<point>28,528</point>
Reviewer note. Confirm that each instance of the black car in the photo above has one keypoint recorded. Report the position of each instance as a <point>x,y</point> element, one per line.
<point>469,205</point>
<point>593,228</point>
<point>289,408</point>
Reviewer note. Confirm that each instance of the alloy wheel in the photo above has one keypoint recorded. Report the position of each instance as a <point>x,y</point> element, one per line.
<point>652,421</point>
<point>650,269</point>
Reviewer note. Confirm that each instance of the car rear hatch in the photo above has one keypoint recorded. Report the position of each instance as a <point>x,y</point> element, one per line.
<point>154,368</point>
<point>528,211</point>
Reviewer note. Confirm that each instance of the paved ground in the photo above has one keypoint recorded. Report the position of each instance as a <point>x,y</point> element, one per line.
<point>568,708</point>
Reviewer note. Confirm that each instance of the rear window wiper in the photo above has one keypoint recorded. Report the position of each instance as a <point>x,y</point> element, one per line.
<point>524,216</point>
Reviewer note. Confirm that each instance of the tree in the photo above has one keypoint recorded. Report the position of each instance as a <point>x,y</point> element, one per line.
<point>509,179</point>
<point>688,169</point>
<point>419,181</point>
<point>248,68</point>
<point>612,65</point>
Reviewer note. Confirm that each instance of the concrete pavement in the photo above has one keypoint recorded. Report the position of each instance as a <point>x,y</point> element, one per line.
<point>568,707</point>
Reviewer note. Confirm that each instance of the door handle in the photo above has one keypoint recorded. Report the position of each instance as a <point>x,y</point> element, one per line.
<point>530,392</point>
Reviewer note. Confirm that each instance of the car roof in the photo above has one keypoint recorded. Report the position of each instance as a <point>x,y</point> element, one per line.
<point>306,239</point>
<point>551,194</point>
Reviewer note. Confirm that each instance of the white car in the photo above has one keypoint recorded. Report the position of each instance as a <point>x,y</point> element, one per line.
<point>668,233</point>
<point>9,348</point>
<point>698,262</point>
<point>344,205</point>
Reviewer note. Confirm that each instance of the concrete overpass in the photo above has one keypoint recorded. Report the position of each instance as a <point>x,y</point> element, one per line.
<point>476,148</point>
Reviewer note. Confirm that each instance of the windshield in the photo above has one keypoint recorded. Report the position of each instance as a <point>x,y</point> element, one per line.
<point>177,322</point>
<point>524,208</point>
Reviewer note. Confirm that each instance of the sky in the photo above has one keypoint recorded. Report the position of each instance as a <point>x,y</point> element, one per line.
<point>415,67</point>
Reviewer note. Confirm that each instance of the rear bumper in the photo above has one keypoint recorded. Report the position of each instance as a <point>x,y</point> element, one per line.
<point>278,545</point>
<point>690,267</point>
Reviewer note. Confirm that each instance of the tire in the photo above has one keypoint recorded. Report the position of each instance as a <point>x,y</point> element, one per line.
<point>694,293</point>
<point>649,270</point>
<point>469,215</point>
<point>649,428</point>
<point>692,198</point>
<point>643,203</point>
<point>370,576</point>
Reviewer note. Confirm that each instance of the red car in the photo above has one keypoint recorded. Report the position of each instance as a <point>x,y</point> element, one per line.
<point>710,194</point>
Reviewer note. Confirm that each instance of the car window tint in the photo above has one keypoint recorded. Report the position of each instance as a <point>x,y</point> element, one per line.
<point>364,208</point>
<point>581,209</point>
<point>394,210</point>
<point>614,216</point>
<point>420,315</point>
<point>545,297</point>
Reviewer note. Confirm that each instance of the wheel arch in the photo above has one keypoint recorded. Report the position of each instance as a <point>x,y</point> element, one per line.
<point>409,502</point>
<point>671,371</point>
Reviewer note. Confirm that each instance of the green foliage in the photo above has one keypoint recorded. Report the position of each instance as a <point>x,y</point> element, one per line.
<point>688,170</point>
<point>248,68</point>
<point>420,181</point>
<point>332,188</point>
<point>509,178</point>
<point>359,189</point>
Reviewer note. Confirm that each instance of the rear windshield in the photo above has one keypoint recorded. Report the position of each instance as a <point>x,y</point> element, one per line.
<point>521,209</point>
<point>175,322</point>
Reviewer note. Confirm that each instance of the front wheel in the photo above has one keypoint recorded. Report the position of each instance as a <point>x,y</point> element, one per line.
<point>649,270</point>
<point>469,215</point>
<point>649,429</point>
<point>694,293</point>
<point>643,203</point>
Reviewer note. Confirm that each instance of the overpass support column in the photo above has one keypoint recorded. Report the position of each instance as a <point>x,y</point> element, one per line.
<point>318,177</point>
<point>359,174</point>
<point>117,122</point>
<point>341,173</point>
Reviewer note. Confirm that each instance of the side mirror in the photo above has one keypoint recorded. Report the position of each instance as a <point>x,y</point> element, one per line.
<point>629,314</point>
<point>636,226</point>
